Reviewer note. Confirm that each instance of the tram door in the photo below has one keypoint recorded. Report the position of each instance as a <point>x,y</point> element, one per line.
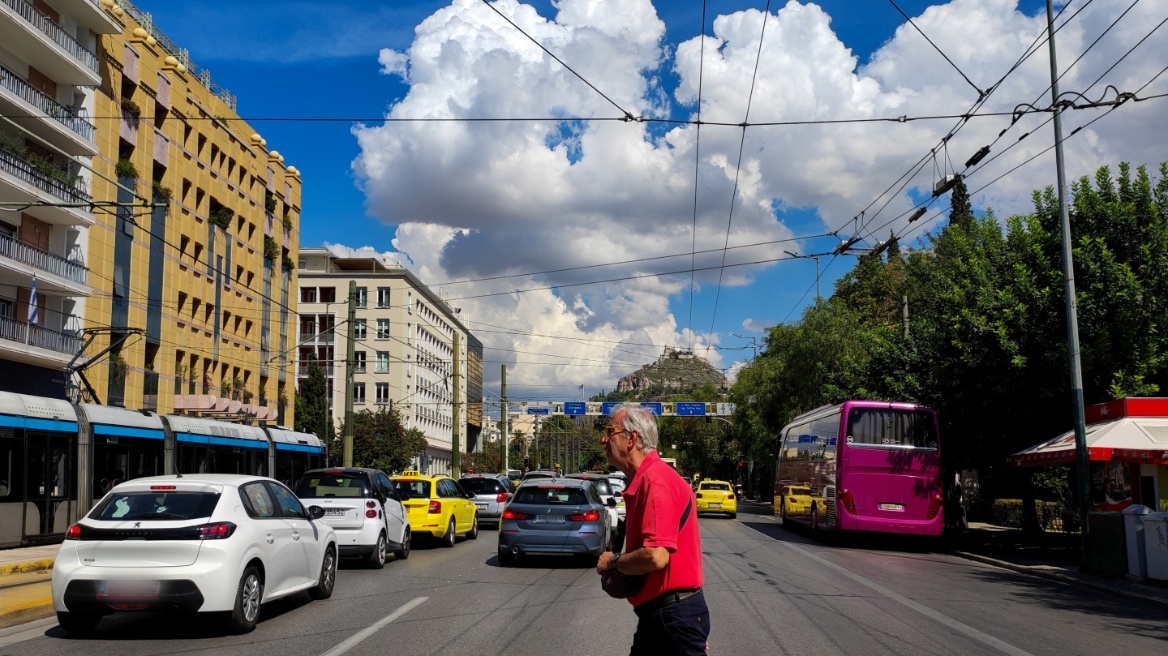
<point>50,475</point>
<point>11,488</point>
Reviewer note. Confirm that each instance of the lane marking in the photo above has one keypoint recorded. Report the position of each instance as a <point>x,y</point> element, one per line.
<point>984,638</point>
<point>361,635</point>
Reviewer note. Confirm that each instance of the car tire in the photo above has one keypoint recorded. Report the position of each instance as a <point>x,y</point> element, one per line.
<point>734,515</point>
<point>377,557</point>
<point>242,619</point>
<point>449,538</point>
<point>328,576</point>
<point>404,551</point>
<point>78,624</point>
<point>506,559</point>
<point>783,511</point>
<point>815,522</point>
<point>473,534</point>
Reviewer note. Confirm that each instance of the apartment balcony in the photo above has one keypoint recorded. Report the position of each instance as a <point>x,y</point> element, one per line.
<point>91,14</point>
<point>56,53</point>
<point>46,118</point>
<point>23,181</point>
<point>37,345</point>
<point>211,406</point>
<point>20,261</point>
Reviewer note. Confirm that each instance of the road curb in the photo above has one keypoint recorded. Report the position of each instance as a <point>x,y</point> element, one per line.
<point>43,565</point>
<point>35,609</point>
<point>1063,578</point>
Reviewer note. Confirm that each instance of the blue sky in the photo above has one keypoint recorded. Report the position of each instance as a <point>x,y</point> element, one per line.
<point>472,201</point>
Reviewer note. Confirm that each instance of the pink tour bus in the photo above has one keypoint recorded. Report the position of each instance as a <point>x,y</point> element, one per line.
<point>862,466</point>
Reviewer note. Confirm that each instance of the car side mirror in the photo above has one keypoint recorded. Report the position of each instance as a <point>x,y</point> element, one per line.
<point>470,495</point>
<point>315,512</point>
<point>617,494</point>
<point>612,502</point>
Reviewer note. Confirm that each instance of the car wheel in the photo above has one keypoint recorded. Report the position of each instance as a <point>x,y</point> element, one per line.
<point>328,576</point>
<point>377,558</point>
<point>404,551</point>
<point>246,613</point>
<point>506,558</point>
<point>474,529</point>
<point>78,624</point>
<point>783,511</point>
<point>734,515</point>
<point>448,539</point>
<point>815,521</point>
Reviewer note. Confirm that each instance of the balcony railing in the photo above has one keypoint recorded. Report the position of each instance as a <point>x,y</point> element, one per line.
<point>46,103</point>
<point>45,261</point>
<point>16,165</point>
<point>54,32</point>
<point>19,331</point>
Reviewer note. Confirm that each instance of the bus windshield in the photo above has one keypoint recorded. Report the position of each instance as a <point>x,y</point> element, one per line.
<point>889,427</point>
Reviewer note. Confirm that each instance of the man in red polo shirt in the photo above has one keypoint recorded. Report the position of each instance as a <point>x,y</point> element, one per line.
<point>661,540</point>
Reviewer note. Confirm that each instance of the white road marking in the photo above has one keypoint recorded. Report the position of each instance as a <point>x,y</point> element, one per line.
<point>980,636</point>
<point>29,630</point>
<point>370,630</point>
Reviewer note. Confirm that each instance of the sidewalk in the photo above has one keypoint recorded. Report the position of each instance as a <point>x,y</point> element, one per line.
<point>25,584</point>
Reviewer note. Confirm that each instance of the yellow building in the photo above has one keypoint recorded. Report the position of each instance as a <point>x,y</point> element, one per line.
<point>193,272</point>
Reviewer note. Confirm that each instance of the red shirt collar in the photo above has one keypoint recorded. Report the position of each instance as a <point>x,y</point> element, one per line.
<point>651,458</point>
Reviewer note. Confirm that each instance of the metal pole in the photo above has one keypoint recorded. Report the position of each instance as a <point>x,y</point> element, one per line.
<point>505,437</point>
<point>349,344</point>
<point>816,278</point>
<point>456,415</point>
<point>1072,313</point>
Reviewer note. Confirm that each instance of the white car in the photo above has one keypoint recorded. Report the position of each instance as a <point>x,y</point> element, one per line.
<point>364,509</point>
<point>198,542</point>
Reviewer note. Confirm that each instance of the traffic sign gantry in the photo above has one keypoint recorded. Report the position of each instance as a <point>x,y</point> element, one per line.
<point>690,409</point>
<point>607,408</point>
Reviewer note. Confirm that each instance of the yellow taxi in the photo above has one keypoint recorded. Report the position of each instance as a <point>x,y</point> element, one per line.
<point>794,501</point>
<point>716,497</point>
<point>437,505</point>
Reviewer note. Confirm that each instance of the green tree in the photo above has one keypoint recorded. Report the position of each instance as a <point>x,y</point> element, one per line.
<point>381,441</point>
<point>312,414</point>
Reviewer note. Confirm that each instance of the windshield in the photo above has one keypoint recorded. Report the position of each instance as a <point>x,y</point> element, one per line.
<point>481,485</point>
<point>323,486</point>
<point>886,427</point>
<point>714,486</point>
<point>415,488</point>
<point>571,496</point>
<point>174,506</point>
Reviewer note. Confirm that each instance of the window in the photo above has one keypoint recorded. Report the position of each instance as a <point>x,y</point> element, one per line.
<point>362,297</point>
<point>289,505</point>
<point>157,506</point>
<point>383,392</point>
<point>383,329</point>
<point>382,362</point>
<point>359,393</point>
<point>359,362</point>
<point>328,294</point>
<point>359,329</point>
<point>383,297</point>
<point>308,294</point>
<point>258,501</point>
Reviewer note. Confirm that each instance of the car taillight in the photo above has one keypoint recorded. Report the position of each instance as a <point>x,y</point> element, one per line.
<point>849,502</point>
<point>503,496</point>
<point>371,514</point>
<point>216,531</point>
<point>729,496</point>
<point>371,504</point>
<point>163,487</point>
<point>698,495</point>
<point>590,516</point>
<point>435,507</point>
<point>73,533</point>
<point>935,506</point>
<point>511,514</point>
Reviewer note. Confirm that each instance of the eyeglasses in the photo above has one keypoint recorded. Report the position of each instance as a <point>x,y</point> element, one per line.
<point>609,434</point>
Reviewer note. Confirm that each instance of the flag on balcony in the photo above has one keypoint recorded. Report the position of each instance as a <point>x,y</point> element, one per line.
<point>33,309</point>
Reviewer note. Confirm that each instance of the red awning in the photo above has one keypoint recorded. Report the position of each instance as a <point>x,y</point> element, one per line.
<point>1131,439</point>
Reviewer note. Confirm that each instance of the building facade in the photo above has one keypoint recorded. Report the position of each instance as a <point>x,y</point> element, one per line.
<point>410,349</point>
<point>49,73</point>
<point>193,268</point>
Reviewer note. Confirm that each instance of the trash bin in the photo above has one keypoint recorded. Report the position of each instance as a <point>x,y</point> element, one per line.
<point>1107,555</point>
<point>1156,544</point>
<point>1133,529</point>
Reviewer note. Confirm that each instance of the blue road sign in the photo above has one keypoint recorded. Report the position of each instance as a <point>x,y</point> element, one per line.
<point>538,411</point>
<point>609,408</point>
<point>690,409</point>
<point>575,408</point>
<point>653,407</point>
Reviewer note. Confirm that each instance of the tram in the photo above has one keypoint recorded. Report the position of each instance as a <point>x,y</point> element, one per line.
<point>57,459</point>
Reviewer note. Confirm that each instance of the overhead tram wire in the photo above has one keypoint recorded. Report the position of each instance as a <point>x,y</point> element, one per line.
<point>938,49</point>
<point>738,168</point>
<point>697,173</point>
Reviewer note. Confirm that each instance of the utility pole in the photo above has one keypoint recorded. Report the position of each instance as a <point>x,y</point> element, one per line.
<point>455,446</point>
<point>348,439</point>
<point>1084,471</point>
<point>506,437</point>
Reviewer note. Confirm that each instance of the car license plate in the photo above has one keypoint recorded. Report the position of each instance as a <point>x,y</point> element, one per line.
<point>895,507</point>
<point>715,505</point>
<point>334,511</point>
<point>549,519</point>
<point>481,505</point>
<point>131,589</point>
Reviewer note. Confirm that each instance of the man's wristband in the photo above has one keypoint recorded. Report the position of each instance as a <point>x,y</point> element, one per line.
<point>613,562</point>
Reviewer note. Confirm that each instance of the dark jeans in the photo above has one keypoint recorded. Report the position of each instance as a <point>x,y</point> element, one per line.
<point>680,629</point>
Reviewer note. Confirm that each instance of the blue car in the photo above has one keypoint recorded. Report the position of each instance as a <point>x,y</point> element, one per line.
<point>554,517</point>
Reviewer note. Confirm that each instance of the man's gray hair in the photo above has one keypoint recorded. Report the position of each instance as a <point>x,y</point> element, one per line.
<point>643,422</point>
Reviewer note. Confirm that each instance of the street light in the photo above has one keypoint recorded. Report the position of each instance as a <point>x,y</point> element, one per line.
<point>809,257</point>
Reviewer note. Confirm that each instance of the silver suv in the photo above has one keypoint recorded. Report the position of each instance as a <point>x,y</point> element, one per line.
<point>491,493</point>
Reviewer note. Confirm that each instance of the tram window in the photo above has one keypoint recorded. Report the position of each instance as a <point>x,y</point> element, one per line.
<point>9,469</point>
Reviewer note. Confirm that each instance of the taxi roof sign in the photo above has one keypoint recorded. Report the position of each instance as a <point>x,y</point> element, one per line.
<point>412,473</point>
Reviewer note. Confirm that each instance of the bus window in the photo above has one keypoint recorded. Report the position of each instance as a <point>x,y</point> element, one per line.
<point>892,428</point>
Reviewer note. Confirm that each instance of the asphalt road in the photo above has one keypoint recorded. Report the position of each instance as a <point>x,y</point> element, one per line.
<point>771,591</point>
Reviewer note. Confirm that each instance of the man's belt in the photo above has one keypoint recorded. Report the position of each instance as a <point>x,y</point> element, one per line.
<point>667,599</point>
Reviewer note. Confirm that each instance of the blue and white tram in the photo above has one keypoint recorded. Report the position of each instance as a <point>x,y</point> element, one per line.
<point>58,459</point>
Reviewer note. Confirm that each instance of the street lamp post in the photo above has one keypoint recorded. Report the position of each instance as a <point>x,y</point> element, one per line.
<point>809,257</point>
